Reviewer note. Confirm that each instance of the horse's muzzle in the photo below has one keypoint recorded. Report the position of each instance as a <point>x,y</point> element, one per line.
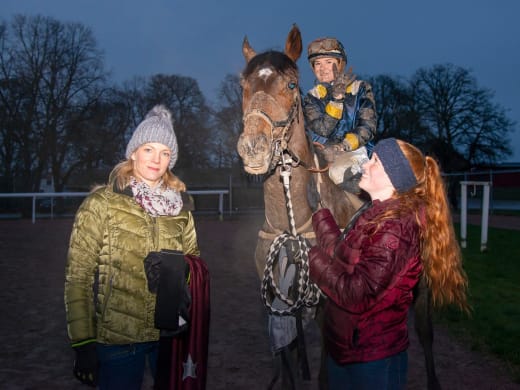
<point>255,152</point>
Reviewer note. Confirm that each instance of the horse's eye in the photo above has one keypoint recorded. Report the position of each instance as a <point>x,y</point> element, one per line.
<point>291,85</point>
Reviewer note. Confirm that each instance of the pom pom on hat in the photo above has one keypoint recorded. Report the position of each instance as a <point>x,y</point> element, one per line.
<point>156,127</point>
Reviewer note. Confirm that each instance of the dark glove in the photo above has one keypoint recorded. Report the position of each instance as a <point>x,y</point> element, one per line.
<point>350,182</point>
<point>86,364</point>
<point>341,81</point>
<point>152,268</point>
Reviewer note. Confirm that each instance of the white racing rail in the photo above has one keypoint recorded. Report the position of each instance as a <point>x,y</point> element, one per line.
<point>52,195</point>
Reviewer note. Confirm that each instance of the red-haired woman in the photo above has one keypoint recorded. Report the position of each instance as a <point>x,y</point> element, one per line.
<point>369,272</point>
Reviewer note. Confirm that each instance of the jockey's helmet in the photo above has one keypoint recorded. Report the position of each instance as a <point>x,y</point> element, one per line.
<point>326,47</point>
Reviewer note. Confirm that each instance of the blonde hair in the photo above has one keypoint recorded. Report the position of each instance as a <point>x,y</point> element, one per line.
<point>122,172</point>
<point>440,251</point>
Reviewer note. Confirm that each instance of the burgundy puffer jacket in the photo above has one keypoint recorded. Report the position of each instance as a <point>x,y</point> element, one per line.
<point>368,278</point>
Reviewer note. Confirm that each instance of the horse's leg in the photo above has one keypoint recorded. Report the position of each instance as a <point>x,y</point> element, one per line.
<point>424,330</point>
<point>261,250</point>
<point>284,330</point>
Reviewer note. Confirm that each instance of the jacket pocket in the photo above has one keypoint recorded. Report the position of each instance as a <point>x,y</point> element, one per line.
<point>107,297</point>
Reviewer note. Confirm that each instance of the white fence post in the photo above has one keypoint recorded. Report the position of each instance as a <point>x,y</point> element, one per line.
<point>464,212</point>
<point>485,218</point>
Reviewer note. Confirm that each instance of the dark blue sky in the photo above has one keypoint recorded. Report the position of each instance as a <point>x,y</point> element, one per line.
<point>202,38</point>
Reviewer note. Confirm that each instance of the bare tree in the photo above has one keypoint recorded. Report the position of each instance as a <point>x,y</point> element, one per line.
<point>397,113</point>
<point>58,73</point>
<point>184,98</point>
<point>460,116</point>
<point>98,135</point>
<point>132,94</point>
<point>228,121</point>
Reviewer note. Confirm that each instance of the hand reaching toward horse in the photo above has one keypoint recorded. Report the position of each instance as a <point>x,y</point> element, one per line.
<point>340,83</point>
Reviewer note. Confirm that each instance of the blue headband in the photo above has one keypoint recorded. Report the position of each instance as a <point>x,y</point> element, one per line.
<point>396,165</point>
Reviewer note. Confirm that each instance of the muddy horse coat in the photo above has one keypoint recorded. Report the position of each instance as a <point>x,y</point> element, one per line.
<point>274,144</point>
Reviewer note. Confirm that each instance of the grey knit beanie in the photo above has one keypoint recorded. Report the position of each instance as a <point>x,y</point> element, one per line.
<point>396,165</point>
<point>156,127</point>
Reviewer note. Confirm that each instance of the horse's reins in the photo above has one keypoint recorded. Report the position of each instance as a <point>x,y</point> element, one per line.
<point>308,294</point>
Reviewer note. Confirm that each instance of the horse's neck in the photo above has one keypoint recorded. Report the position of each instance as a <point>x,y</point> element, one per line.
<point>299,143</point>
<point>275,199</point>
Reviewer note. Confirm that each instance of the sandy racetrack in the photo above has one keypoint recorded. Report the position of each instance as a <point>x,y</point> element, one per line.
<point>35,353</point>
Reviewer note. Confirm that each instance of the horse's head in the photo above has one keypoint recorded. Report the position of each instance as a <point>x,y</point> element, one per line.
<point>270,103</point>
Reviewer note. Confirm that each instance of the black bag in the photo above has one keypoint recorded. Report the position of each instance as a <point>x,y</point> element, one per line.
<point>167,274</point>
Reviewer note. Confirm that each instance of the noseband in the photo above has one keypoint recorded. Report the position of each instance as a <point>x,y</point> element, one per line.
<point>279,145</point>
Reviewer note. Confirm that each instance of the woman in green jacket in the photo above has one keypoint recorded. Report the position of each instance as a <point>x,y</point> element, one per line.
<point>110,310</point>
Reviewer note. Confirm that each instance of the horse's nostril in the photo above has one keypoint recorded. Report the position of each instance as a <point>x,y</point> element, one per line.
<point>260,148</point>
<point>242,149</point>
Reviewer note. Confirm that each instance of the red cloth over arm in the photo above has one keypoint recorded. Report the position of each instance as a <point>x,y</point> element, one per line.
<point>190,350</point>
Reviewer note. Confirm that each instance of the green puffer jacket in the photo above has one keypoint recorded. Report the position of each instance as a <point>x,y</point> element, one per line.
<point>110,238</point>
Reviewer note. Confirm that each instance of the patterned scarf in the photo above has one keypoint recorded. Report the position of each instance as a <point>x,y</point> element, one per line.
<point>156,201</point>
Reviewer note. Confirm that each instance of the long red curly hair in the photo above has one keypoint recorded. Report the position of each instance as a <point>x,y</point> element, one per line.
<point>440,250</point>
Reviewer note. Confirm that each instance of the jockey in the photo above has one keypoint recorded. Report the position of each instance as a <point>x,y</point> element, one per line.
<point>339,112</point>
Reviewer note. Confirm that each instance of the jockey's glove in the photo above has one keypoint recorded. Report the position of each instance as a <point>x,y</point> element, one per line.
<point>340,83</point>
<point>350,142</point>
<point>86,363</point>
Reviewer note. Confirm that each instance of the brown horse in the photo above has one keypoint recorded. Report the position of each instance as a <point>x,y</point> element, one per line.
<point>274,144</point>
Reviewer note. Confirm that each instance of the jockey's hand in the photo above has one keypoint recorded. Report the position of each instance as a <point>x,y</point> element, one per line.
<point>331,150</point>
<point>350,142</point>
<point>340,83</point>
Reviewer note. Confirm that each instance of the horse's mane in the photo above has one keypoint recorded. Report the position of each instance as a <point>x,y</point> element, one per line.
<point>279,61</point>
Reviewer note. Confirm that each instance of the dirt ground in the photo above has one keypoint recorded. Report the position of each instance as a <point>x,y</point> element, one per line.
<point>35,354</point>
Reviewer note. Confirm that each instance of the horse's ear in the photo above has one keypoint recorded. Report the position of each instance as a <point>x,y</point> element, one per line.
<point>293,45</point>
<point>247,50</point>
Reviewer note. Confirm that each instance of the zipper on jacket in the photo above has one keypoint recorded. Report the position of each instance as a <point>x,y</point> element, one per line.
<point>155,235</point>
<point>109,293</point>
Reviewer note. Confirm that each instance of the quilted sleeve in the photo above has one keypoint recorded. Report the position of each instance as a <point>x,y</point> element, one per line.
<point>383,260</point>
<point>189,238</point>
<point>84,248</point>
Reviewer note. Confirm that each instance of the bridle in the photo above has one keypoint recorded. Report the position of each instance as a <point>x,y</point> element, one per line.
<point>280,144</point>
<point>306,294</point>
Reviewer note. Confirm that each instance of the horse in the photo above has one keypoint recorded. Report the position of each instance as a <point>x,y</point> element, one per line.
<point>274,144</point>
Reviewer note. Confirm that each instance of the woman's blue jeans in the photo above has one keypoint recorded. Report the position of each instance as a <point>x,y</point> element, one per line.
<point>122,367</point>
<point>385,374</point>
